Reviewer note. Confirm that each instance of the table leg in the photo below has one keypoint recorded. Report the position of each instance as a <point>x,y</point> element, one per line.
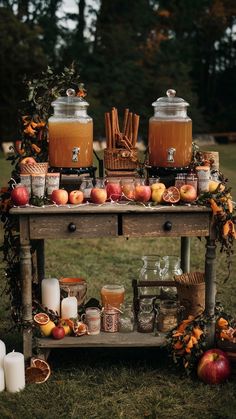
<point>185,254</point>
<point>26,275</point>
<point>210,279</point>
<point>40,263</point>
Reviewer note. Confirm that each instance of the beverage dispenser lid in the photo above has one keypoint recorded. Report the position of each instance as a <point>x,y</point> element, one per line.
<point>71,100</point>
<point>170,100</point>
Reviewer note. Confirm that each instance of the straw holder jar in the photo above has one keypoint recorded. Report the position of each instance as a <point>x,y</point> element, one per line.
<point>191,292</point>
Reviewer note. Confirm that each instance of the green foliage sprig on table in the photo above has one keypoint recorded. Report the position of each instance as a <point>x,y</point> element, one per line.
<point>33,118</point>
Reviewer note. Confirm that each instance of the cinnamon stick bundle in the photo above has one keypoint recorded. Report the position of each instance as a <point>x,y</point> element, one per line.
<point>129,135</point>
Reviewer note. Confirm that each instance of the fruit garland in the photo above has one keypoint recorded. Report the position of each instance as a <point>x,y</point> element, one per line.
<point>187,342</point>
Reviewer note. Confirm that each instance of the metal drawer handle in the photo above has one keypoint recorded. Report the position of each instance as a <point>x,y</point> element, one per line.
<point>167,226</point>
<point>72,227</point>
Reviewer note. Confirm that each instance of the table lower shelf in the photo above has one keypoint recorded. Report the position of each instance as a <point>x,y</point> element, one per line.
<point>134,339</point>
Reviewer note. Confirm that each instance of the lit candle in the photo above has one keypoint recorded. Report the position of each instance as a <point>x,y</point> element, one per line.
<point>69,307</point>
<point>14,369</point>
<point>2,380</point>
<point>2,352</point>
<point>51,294</point>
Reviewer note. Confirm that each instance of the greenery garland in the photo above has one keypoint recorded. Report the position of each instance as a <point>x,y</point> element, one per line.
<point>33,118</point>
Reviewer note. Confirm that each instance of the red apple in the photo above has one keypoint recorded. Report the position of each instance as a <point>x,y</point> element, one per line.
<point>214,367</point>
<point>59,196</point>
<point>20,195</point>
<point>76,197</point>
<point>188,193</point>
<point>58,332</point>
<point>114,191</point>
<point>28,160</point>
<point>98,195</point>
<point>142,193</point>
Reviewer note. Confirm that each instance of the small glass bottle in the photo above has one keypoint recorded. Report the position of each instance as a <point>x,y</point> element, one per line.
<point>171,268</point>
<point>146,316</point>
<point>126,318</point>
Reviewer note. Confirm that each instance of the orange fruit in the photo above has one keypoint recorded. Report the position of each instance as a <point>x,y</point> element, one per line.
<point>41,318</point>
<point>171,195</point>
<point>38,372</point>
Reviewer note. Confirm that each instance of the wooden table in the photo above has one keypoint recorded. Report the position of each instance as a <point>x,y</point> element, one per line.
<point>110,220</point>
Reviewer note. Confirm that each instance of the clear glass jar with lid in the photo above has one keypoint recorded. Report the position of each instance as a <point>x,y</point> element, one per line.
<point>170,133</point>
<point>70,133</point>
<point>146,316</point>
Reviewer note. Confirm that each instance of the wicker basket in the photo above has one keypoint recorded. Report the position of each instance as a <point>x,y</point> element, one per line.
<point>120,159</point>
<point>191,292</point>
<point>34,169</point>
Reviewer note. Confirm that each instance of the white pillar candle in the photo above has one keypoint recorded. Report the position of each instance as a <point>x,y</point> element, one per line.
<point>14,369</point>
<point>2,380</point>
<point>2,352</point>
<point>51,294</point>
<point>69,307</point>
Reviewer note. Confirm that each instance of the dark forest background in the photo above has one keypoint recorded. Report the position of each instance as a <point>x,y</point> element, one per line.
<point>128,53</point>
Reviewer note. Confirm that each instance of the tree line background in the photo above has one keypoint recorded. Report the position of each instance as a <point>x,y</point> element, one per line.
<point>127,53</point>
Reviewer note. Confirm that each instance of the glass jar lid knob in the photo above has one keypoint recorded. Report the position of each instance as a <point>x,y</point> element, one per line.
<point>171,93</point>
<point>70,92</point>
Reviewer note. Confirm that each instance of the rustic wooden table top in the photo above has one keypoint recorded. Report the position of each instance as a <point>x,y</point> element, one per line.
<point>112,208</point>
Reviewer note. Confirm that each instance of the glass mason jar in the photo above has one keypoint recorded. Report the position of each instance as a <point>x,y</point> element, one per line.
<point>180,180</point>
<point>127,186</point>
<point>146,316</point>
<point>168,314</point>
<point>114,189</point>
<point>70,133</point>
<point>167,273</point>
<point>126,318</point>
<point>86,187</point>
<point>170,133</point>
<point>150,271</point>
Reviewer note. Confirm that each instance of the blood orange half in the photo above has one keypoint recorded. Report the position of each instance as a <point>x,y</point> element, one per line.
<point>41,318</point>
<point>171,195</point>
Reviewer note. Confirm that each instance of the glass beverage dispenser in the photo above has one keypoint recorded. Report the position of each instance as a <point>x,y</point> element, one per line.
<point>70,133</point>
<point>170,133</point>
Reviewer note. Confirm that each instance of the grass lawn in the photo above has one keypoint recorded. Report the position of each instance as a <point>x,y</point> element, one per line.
<point>119,383</point>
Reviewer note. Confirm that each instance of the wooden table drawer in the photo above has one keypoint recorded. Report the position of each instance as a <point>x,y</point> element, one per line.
<point>73,226</point>
<point>166,225</point>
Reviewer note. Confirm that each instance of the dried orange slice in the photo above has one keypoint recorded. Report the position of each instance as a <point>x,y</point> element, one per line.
<point>41,318</point>
<point>38,372</point>
<point>171,195</point>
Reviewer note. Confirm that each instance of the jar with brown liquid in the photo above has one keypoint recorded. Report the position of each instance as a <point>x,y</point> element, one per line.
<point>170,133</point>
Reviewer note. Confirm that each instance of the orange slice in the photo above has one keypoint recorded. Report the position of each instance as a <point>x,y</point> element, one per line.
<point>38,372</point>
<point>171,195</point>
<point>41,318</point>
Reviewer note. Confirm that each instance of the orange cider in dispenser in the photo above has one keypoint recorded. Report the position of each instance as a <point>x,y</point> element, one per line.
<point>70,133</point>
<point>65,138</point>
<point>170,133</point>
<point>112,295</point>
